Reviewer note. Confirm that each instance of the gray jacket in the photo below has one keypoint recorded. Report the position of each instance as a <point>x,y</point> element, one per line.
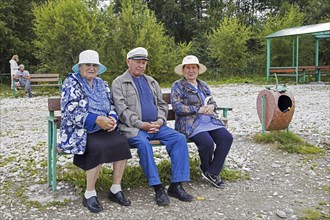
<point>127,102</point>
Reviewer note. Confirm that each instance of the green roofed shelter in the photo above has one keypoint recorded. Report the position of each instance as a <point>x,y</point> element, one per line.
<point>318,31</point>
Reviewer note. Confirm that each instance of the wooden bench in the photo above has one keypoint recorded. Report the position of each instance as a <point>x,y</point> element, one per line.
<point>44,80</point>
<point>54,120</point>
<point>302,71</point>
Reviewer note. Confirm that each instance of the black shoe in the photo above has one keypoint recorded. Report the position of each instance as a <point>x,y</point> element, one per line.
<point>92,204</point>
<point>178,192</point>
<point>119,198</point>
<point>161,197</point>
<point>214,179</point>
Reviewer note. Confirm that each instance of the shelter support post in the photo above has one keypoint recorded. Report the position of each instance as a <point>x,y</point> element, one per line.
<point>317,71</point>
<point>268,58</point>
<point>297,58</point>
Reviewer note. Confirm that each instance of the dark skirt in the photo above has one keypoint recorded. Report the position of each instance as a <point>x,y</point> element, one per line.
<point>103,147</point>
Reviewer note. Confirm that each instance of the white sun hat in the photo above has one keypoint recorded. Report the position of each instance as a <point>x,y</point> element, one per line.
<point>89,56</point>
<point>190,59</point>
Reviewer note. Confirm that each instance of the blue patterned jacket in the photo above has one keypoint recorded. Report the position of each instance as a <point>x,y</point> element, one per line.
<point>186,103</point>
<point>74,111</point>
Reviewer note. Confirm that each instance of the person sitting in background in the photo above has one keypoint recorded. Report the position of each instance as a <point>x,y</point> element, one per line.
<point>142,117</point>
<point>88,128</point>
<point>195,117</point>
<point>22,78</point>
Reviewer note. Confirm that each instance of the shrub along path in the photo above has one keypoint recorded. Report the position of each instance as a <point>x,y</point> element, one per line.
<point>282,185</point>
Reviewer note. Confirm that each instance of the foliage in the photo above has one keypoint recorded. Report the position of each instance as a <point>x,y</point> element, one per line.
<point>281,48</point>
<point>61,25</point>
<point>310,214</point>
<point>288,141</point>
<point>64,28</point>
<point>135,26</point>
<point>228,43</point>
<point>16,31</point>
<point>49,35</point>
<point>182,19</point>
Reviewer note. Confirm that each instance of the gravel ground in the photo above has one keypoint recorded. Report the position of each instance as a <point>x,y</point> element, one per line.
<point>282,185</point>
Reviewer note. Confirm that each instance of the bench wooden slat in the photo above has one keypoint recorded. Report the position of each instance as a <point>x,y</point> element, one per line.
<point>38,85</point>
<point>54,104</point>
<point>306,68</point>
<point>45,75</point>
<point>282,70</point>
<point>300,68</point>
<point>155,142</point>
<point>323,67</point>
<point>44,80</point>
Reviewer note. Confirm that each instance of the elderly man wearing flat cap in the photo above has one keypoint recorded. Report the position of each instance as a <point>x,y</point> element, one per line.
<point>142,117</point>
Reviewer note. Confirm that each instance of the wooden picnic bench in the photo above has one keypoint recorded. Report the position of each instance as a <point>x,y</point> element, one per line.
<point>44,80</point>
<point>54,121</point>
<point>302,71</point>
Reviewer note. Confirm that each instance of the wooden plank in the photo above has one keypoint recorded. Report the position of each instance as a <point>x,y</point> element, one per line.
<point>44,80</point>
<point>155,142</point>
<point>167,97</point>
<point>306,68</point>
<point>282,70</point>
<point>323,67</point>
<point>40,85</point>
<point>54,104</point>
<point>286,74</point>
<point>170,115</point>
<point>51,75</point>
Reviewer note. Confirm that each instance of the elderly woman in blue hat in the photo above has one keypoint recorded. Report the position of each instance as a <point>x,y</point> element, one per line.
<point>194,109</point>
<point>88,128</point>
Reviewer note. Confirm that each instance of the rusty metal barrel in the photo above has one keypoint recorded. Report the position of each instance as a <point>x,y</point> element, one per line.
<point>277,107</point>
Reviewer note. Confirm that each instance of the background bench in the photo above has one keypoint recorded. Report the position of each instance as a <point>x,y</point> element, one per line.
<point>302,71</point>
<point>44,80</point>
<point>54,121</point>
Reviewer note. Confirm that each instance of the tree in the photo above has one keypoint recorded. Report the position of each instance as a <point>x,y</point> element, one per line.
<point>228,44</point>
<point>16,32</point>
<point>64,28</point>
<point>289,17</point>
<point>135,25</point>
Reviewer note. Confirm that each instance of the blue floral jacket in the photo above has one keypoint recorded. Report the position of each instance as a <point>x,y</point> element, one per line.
<point>186,103</point>
<point>74,110</point>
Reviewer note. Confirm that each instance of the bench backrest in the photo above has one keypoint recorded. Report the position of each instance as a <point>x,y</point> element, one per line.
<point>44,77</point>
<point>54,105</point>
<point>300,68</point>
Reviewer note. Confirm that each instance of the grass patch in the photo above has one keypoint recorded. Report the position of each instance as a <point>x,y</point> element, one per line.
<point>134,177</point>
<point>288,142</point>
<point>7,92</point>
<point>326,188</point>
<point>311,214</point>
<point>7,160</point>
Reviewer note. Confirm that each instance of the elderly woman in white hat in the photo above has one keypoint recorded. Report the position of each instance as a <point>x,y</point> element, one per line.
<point>195,117</point>
<point>88,128</point>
